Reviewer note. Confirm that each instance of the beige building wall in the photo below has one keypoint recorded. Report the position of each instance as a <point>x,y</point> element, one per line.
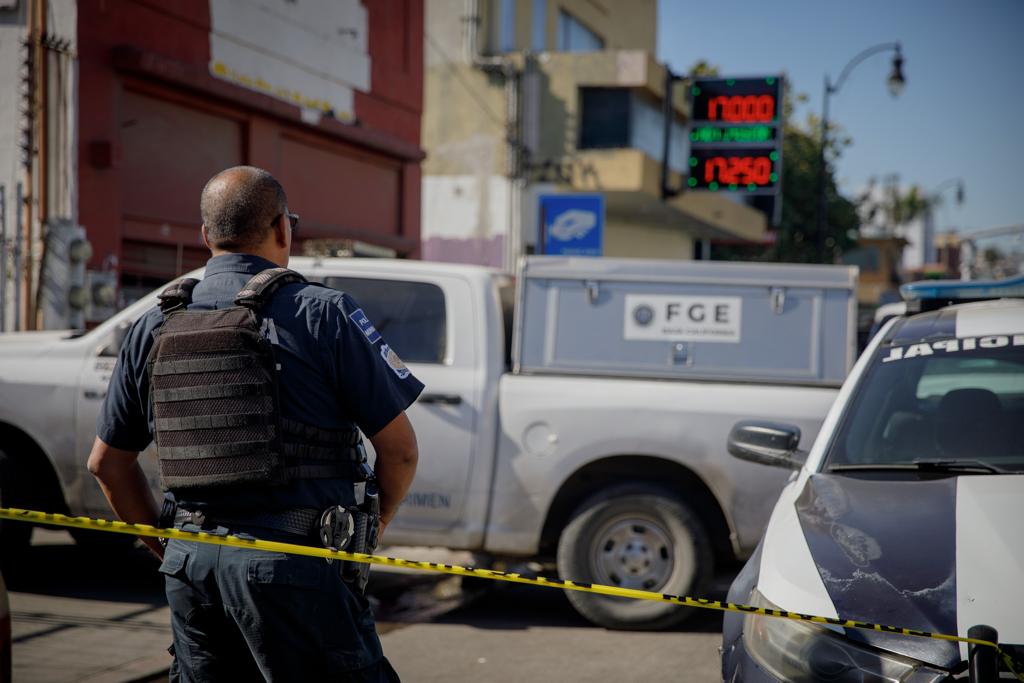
<point>463,122</point>
<point>562,74</point>
<point>464,107</point>
<point>464,113</point>
<point>622,24</point>
<point>637,240</point>
<point>473,209</point>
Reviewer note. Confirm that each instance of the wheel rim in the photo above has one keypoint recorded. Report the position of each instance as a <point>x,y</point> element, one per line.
<point>633,552</point>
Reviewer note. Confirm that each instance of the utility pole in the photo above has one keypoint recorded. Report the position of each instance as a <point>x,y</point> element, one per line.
<point>668,116</point>
<point>41,112</point>
<point>19,206</point>
<point>3,258</point>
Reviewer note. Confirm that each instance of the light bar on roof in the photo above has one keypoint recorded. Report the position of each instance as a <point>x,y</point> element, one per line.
<point>965,290</point>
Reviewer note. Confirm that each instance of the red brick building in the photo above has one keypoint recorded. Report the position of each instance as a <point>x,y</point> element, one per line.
<point>325,95</point>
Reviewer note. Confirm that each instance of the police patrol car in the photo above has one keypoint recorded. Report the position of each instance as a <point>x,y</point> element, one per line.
<point>909,508</point>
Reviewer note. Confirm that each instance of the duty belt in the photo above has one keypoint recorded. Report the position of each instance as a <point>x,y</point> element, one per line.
<point>300,521</point>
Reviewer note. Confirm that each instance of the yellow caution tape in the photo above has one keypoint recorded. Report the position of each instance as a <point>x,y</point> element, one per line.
<point>247,541</point>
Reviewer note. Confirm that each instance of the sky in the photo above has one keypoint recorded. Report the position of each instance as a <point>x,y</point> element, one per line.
<point>961,114</point>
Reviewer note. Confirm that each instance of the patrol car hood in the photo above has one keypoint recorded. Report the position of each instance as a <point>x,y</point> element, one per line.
<point>937,555</point>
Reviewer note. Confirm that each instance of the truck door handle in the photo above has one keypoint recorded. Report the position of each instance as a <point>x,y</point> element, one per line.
<point>443,399</point>
<point>95,395</point>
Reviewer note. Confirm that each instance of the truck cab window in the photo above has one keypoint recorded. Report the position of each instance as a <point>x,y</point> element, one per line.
<point>410,315</point>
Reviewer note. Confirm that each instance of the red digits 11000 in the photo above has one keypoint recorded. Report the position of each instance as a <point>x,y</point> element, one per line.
<point>742,108</point>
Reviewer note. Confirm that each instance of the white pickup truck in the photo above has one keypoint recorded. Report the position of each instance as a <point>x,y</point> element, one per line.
<point>591,433</point>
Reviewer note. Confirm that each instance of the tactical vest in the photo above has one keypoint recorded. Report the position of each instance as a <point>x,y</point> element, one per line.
<point>216,405</point>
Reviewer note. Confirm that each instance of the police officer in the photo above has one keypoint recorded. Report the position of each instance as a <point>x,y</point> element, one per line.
<point>247,614</point>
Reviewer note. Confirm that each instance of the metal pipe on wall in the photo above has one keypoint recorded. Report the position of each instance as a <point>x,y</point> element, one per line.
<point>513,243</point>
<point>3,258</point>
<point>43,113</point>
<point>23,272</point>
<point>42,165</point>
<point>472,25</point>
<point>19,207</point>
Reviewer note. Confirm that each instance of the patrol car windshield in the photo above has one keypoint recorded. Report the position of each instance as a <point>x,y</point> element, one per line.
<point>944,401</point>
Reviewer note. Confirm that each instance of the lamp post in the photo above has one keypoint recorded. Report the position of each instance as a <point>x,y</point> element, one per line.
<point>931,200</point>
<point>896,81</point>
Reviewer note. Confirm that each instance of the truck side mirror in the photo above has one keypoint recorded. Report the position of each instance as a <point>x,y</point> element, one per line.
<point>767,443</point>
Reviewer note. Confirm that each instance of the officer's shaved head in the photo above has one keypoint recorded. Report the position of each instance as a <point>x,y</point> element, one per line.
<point>238,206</point>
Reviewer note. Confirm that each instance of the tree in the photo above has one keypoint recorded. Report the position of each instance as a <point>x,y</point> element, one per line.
<point>801,148</point>
<point>703,69</point>
<point>892,207</point>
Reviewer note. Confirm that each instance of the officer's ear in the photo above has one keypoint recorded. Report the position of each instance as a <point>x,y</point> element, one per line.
<point>282,231</point>
<point>206,240</point>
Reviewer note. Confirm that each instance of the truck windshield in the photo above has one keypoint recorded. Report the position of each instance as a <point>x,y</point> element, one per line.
<point>943,402</point>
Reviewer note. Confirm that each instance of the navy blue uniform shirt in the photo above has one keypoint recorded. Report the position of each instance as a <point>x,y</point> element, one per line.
<point>336,372</point>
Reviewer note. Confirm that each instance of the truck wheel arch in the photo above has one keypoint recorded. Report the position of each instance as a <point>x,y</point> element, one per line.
<point>618,469</point>
<point>49,490</point>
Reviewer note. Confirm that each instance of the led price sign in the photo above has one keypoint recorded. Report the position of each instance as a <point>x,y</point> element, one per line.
<point>735,169</point>
<point>737,100</point>
<point>736,134</point>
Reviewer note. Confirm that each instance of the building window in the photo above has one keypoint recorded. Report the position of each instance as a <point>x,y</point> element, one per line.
<point>539,26</point>
<point>605,121</point>
<point>573,36</point>
<point>503,25</point>
<point>616,118</point>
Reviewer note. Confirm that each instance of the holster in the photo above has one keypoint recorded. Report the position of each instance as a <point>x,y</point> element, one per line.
<point>168,510</point>
<point>366,516</point>
<point>355,529</point>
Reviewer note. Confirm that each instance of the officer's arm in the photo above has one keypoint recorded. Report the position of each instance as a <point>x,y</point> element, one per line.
<point>125,487</point>
<point>397,455</point>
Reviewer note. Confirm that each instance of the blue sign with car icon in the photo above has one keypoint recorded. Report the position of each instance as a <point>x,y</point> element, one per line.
<point>572,224</point>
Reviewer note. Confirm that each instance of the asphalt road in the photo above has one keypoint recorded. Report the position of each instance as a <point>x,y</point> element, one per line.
<point>519,633</point>
<point>99,615</point>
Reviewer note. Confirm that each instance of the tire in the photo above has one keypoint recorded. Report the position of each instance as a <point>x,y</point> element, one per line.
<point>634,536</point>
<point>15,491</point>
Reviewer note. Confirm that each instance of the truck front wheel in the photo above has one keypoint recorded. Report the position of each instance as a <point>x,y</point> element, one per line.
<point>14,536</point>
<point>634,536</point>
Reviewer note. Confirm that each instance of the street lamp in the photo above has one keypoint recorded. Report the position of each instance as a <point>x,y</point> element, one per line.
<point>895,82</point>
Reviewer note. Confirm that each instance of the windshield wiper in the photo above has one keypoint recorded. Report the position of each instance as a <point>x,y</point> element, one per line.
<point>925,466</point>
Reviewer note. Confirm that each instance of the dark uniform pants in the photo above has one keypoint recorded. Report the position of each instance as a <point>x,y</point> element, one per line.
<point>251,615</point>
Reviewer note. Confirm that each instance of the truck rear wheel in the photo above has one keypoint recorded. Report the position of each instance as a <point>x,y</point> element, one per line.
<point>634,536</point>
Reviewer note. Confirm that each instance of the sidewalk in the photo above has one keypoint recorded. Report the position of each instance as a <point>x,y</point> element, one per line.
<point>87,615</point>
<point>60,639</point>
<point>93,616</point>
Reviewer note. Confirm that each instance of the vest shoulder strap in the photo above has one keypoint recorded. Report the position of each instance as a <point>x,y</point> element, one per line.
<point>177,295</point>
<point>261,286</point>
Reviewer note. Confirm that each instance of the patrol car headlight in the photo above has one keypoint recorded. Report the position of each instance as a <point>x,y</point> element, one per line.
<point>798,651</point>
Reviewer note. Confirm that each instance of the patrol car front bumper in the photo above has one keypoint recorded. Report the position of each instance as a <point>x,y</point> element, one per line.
<point>758,649</point>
